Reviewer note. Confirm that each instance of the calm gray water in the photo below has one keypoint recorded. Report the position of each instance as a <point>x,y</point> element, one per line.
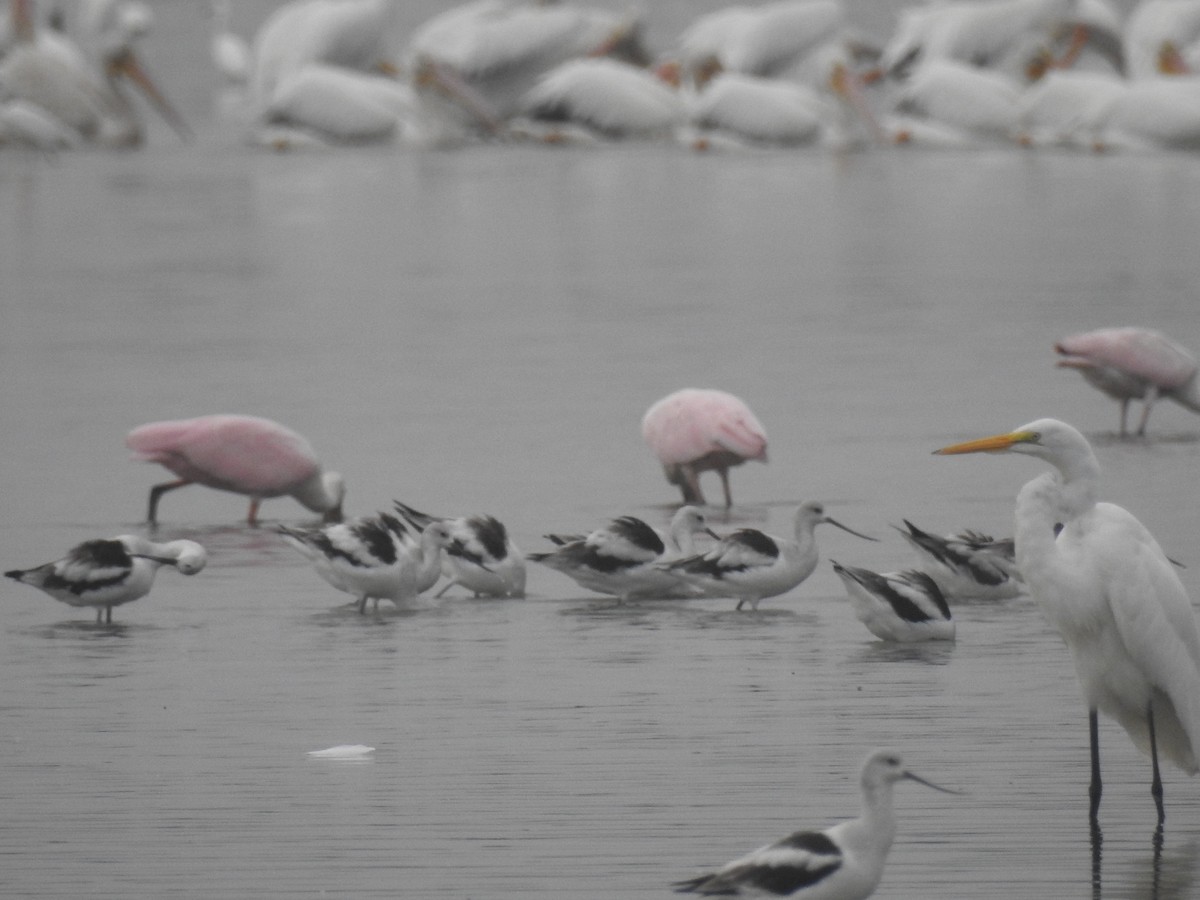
<point>481,331</point>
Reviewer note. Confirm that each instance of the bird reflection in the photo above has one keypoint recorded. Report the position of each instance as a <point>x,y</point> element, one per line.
<point>1158,876</point>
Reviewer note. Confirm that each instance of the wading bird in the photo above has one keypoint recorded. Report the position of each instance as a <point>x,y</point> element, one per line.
<point>903,606</point>
<point>242,454</point>
<point>373,558</point>
<point>481,557</point>
<point>751,566</point>
<point>1133,364</point>
<point>109,572</point>
<point>692,431</point>
<point>844,862</point>
<point>1113,595</point>
<point>624,558</point>
<point>967,565</point>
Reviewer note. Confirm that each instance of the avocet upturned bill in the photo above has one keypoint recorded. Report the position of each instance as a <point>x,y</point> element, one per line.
<point>844,862</point>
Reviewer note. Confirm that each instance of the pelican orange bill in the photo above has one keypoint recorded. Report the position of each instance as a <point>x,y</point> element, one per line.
<point>994,444</point>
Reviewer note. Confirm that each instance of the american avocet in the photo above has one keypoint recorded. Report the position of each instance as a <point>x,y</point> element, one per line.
<point>373,557</point>
<point>1115,598</point>
<point>1133,364</point>
<point>751,566</point>
<point>243,454</point>
<point>844,862</point>
<point>967,565</point>
<point>692,431</point>
<point>109,572</point>
<point>624,558</point>
<point>902,606</point>
<point>480,557</point>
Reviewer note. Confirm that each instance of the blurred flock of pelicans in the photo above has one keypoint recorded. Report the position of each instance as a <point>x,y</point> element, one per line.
<point>953,73</point>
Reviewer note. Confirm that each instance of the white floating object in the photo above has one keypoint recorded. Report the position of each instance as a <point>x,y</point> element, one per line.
<point>342,751</point>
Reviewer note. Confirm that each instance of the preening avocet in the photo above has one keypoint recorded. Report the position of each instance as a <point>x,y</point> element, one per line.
<point>751,566</point>
<point>693,431</point>
<point>109,572</point>
<point>1133,364</point>
<point>243,454</point>
<point>902,606</point>
<point>373,557</point>
<point>967,565</point>
<point>624,558</point>
<point>844,862</point>
<point>1107,587</point>
<point>480,557</point>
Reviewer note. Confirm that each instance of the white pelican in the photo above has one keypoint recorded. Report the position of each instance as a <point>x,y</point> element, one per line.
<point>623,558</point>
<point>1152,114</point>
<point>501,48</point>
<point>1133,364</point>
<point>349,34</point>
<point>1064,108</point>
<point>110,572</point>
<point>979,103</point>
<point>905,606</point>
<point>967,565</point>
<point>243,454</point>
<point>481,556</point>
<point>80,85</point>
<point>608,97</point>
<point>373,557</point>
<point>996,34</point>
<point>696,430</point>
<point>1157,25</point>
<point>844,862</point>
<point>751,566</point>
<point>1113,595</point>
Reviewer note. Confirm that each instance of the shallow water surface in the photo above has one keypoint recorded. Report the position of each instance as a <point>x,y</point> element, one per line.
<point>481,331</point>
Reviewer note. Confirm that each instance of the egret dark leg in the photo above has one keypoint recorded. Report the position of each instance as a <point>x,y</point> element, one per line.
<point>362,605</point>
<point>156,493</point>
<point>725,484</point>
<point>252,517</point>
<point>1156,788</point>
<point>1147,404</point>
<point>1096,788</point>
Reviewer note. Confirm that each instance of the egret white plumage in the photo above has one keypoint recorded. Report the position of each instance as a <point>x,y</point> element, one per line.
<point>624,557</point>
<point>751,566</point>
<point>1107,587</point>
<point>905,606</point>
<point>109,572</point>
<point>1133,364</point>
<point>481,556</point>
<point>694,430</point>
<point>967,565</point>
<point>844,862</point>
<point>373,557</point>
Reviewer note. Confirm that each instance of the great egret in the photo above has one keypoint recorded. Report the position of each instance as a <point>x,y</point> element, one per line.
<point>1113,595</point>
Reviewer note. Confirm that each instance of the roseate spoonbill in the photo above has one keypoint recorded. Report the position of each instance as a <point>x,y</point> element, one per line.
<point>844,862</point>
<point>243,454</point>
<point>752,566</point>
<point>481,557</point>
<point>695,430</point>
<point>623,558</point>
<point>1105,584</point>
<point>1133,364</point>
<point>373,557</point>
<point>108,572</point>
<point>967,565</point>
<point>903,606</point>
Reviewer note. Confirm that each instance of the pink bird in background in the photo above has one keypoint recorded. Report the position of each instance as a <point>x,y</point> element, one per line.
<point>1133,364</point>
<point>693,431</point>
<point>243,454</point>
